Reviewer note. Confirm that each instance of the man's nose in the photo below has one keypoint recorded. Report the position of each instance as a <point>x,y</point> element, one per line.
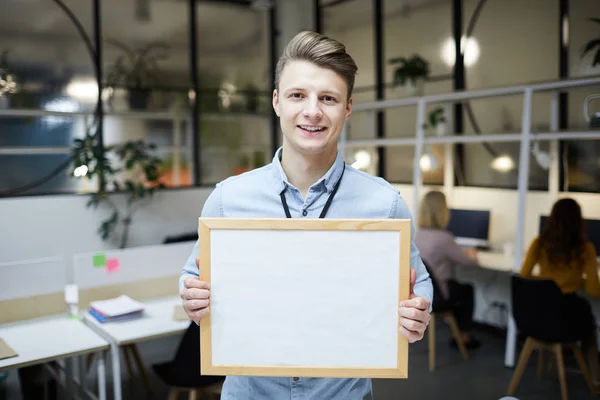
<point>312,109</point>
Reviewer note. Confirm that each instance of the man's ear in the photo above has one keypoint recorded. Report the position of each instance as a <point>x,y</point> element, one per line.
<point>276,102</point>
<point>349,108</point>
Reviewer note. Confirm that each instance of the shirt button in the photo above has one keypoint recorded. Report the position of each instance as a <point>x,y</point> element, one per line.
<point>305,213</point>
<point>296,379</point>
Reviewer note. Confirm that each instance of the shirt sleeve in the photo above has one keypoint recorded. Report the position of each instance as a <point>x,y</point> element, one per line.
<point>592,283</point>
<point>457,255</point>
<point>423,286</point>
<point>212,208</point>
<point>530,259</point>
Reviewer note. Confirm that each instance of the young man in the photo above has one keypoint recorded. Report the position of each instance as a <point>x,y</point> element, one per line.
<point>309,179</point>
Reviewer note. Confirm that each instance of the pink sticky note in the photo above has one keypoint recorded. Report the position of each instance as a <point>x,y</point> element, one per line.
<point>112,265</point>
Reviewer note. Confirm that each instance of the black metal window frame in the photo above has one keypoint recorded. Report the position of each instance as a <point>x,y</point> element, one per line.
<point>458,75</point>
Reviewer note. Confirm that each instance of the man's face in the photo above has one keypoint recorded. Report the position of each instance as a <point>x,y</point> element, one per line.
<point>312,106</point>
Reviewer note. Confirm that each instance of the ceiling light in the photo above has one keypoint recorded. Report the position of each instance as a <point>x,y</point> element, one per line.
<point>428,162</point>
<point>80,171</point>
<point>83,90</point>
<point>469,49</point>
<point>503,163</point>
<point>362,160</point>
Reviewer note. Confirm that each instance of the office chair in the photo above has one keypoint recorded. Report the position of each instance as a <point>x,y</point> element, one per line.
<point>182,374</point>
<point>185,237</point>
<point>443,309</point>
<point>537,306</point>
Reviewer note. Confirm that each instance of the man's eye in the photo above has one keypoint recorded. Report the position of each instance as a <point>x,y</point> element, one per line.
<point>296,95</point>
<point>328,99</point>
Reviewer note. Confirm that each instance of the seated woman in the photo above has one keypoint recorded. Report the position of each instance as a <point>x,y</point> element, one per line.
<point>441,253</point>
<point>566,257</point>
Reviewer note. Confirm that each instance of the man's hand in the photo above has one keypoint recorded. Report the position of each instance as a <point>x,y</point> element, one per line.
<point>195,296</point>
<point>414,313</point>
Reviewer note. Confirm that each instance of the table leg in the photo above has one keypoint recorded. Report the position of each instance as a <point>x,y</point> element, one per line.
<point>101,376</point>
<point>69,363</point>
<point>140,366</point>
<point>116,370</point>
<point>511,343</point>
<point>81,372</point>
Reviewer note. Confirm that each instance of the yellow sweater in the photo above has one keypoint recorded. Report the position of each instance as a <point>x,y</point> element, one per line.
<point>570,278</point>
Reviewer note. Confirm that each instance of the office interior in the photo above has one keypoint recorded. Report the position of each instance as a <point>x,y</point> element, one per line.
<point>520,103</point>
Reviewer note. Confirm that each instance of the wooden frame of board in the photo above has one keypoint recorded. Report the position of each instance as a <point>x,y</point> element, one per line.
<point>400,370</point>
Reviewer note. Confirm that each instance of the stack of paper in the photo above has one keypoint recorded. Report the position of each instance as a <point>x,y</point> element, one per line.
<point>117,309</point>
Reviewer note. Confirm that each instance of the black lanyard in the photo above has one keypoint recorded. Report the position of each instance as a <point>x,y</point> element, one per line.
<point>327,204</point>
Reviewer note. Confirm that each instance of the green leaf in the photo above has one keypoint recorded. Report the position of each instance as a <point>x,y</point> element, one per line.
<point>596,59</point>
<point>93,201</point>
<point>590,46</point>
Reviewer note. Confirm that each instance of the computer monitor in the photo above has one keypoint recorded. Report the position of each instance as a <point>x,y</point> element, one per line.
<point>592,230</point>
<point>470,227</point>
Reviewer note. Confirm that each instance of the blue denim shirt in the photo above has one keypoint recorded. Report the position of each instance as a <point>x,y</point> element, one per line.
<point>255,194</point>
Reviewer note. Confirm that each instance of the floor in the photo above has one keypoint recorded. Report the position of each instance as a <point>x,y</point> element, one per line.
<point>482,377</point>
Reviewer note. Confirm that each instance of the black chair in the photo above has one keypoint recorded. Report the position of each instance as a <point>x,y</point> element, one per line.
<point>182,374</point>
<point>538,307</point>
<point>185,237</point>
<point>443,308</point>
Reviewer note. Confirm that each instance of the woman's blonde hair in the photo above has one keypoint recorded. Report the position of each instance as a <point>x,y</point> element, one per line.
<point>433,211</point>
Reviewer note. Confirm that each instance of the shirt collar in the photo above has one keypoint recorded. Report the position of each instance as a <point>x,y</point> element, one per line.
<point>328,180</point>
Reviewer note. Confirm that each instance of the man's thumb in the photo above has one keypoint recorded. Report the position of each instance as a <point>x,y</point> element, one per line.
<point>413,279</point>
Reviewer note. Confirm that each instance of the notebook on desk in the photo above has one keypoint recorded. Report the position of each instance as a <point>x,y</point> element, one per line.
<point>6,351</point>
<point>117,309</point>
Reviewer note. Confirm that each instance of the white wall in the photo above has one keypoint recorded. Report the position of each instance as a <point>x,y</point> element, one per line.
<point>44,226</point>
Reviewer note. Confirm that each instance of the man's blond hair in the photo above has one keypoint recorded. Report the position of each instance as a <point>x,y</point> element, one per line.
<point>321,51</point>
<point>433,211</point>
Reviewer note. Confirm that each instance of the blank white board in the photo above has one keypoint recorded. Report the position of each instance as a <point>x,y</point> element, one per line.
<point>292,297</point>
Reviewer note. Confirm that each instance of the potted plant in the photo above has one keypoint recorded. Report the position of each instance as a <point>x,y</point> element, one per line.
<point>136,173</point>
<point>411,73</point>
<point>170,176</point>
<point>137,70</point>
<point>8,83</point>
<point>437,121</point>
<point>593,44</point>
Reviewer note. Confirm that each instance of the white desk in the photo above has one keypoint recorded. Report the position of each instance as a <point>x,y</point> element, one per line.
<point>495,261</point>
<point>156,322</point>
<point>43,340</point>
